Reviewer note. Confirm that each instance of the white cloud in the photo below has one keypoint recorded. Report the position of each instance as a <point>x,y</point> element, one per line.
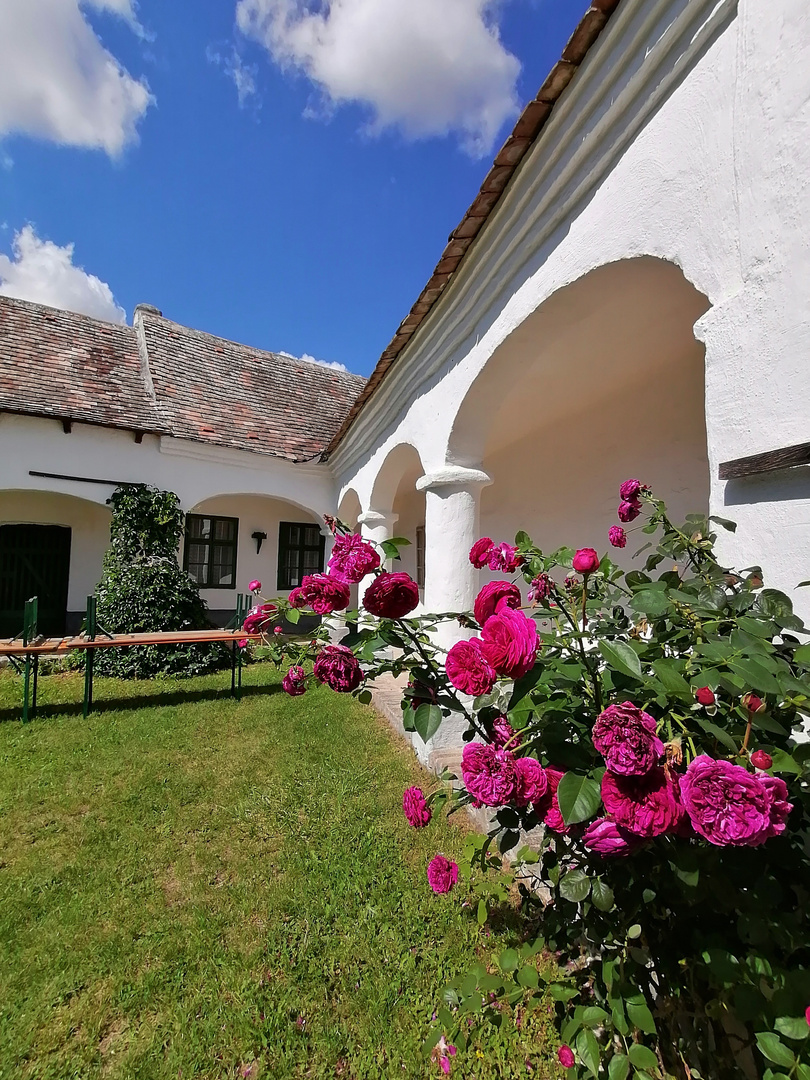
<point>243,75</point>
<point>311,360</point>
<point>427,67</point>
<point>58,82</point>
<point>43,272</point>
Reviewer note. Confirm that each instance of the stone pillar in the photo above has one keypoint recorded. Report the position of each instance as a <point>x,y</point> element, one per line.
<point>376,526</point>
<point>452,500</point>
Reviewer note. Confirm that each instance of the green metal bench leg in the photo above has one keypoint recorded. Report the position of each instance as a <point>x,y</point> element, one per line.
<point>233,669</point>
<point>36,679</point>
<point>26,687</point>
<point>238,673</point>
<point>88,681</point>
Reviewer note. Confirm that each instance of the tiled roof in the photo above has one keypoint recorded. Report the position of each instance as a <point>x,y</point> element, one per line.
<point>56,363</point>
<point>526,131</point>
<point>164,378</point>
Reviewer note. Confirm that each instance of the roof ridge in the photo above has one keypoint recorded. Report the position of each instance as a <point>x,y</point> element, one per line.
<point>65,311</point>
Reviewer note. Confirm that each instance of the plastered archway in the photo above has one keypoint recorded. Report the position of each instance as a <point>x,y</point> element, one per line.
<point>394,492</point>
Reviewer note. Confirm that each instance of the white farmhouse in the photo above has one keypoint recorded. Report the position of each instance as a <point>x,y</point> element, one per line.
<point>628,295</point>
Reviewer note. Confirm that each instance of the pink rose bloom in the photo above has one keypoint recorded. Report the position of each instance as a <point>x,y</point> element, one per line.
<point>761,760</point>
<point>540,588</point>
<point>321,592</point>
<point>617,536</point>
<point>468,669</point>
<point>337,666</point>
<point>490,775</point>
<point>255,586</point>
<point>278,630</point>
<point>586,561</point>
<point>510,642</point>
<point>494,596</point>
<point>565,1056</point>
<point>258,618</point>
<point>705,696</point>
<point>480,551</point>
<point>629,509</point>
<point>625,737</point>
<point>442,874</point>
<point>391,596</point>
<point>630,489</point>
<point>807,1014</point>
<point>646,805</point>
<point>550,807</point>
<point>730,806</point>
<point>609,840</point>
<point>504,558</point>
<point>502,732</point>
<point>294,682</point>
<point>415,808</point>
<point>352,558</point>
<point>532,782</point>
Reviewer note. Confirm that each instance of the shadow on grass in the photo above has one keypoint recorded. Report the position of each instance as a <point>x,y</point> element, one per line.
<point>137,701</point>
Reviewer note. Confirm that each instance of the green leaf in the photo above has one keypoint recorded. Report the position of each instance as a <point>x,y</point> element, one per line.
<point>620,656</point>
<point>794,1027</point>
<point>640,1016</point>
<point>575,886</point>
<point>364,697</point>
<point>293,615</point>
<point>802,655</point>
<point>619,1067</point>
<point>562,992</point>
<point>528,977</point>
<point>579,798</point>
<point>508,960</point>
<point>594,1016</point>
<point>783,762</point>
<point>719,734</point>
<point>652,602</point>
<point>729,526</point>
<point>588,1050</point>
<point>774,1049</point>
<point>482,912</point>
<point>602,895</point>
<point>672,679</point>
<point>400,541</point>
<point>642,1057</point>
<point>427,721</point>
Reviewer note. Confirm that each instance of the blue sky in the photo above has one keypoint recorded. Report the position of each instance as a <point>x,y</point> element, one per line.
<point>306,216</point>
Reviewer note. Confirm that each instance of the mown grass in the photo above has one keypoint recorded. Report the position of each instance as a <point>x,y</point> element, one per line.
<point>196,887</point>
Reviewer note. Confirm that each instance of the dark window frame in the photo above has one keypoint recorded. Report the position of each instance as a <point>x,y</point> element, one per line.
<point>211,543</point>
<point>284,575</point>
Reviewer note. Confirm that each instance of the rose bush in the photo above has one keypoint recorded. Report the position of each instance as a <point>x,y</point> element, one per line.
<point>650,723</point>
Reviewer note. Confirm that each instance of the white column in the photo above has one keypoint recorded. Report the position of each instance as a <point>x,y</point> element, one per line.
<point>376,526</point>
<point>452,500</point>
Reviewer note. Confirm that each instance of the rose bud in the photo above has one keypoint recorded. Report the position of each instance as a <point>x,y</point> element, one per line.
<point>255,586</point>
<point>761,760</point>
<point>705,696</point>
<point>753,703</point>
<point>586,561</point>
<point>565,1056</point>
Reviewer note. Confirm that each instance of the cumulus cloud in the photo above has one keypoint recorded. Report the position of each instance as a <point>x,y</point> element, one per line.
<point>58,82</point>
<point>43,272</point>
<point>426,67</point>
<point>312,360</point>
<point>241,74</point>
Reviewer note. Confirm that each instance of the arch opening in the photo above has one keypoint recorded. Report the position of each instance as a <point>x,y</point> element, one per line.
<point>395,492</point>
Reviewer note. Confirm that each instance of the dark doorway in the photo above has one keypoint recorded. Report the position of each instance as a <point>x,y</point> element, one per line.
<point>34,561</point>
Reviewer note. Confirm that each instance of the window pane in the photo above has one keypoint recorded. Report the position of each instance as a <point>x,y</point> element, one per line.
<point>312,536</point>
<point>198,527</point>
<point>295,536</point>
<point>312,561</point>
<point>224,529</point>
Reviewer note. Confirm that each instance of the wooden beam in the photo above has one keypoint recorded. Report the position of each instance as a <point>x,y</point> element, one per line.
<point>786,458</point>
<point>67,426</point>
<point>139,437</point>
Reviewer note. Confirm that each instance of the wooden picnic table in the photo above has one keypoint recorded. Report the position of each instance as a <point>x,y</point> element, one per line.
<point>40,645</point>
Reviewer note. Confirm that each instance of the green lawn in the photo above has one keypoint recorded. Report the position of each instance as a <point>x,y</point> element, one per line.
<point>196,887</point>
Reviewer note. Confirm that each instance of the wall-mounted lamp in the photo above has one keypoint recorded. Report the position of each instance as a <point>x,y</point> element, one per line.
<point>258,537</point>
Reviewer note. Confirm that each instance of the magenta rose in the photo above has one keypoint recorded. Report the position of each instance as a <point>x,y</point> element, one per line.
<point>610,840</point>
<point>255,586</point>
<point>493,596</point>
<point>352,558</point>
<point>540,588</point>
<point>258,618</point>
<point>565,1056</point>
<point>617,536</point>
<point>442,874</point>
<point>532,783</point>
<point>549,806</point>
<point>625,737</point>
<point>730,806</point>
<point>504,558</point>
<point>391,596</point>
<point>629,509</point>
<point>480,551</point>
<point>337,666</point>
<point>630,489</point>
<point>502,732</point>
<point>294,682</point>
<point>646,805</point>
<point>321,592</point>
<point>490,775</point>
<point>586,561</point>
<point>761,760</point>
<point>468,669</point>
<point>510,642</point>
<point>415,808</point>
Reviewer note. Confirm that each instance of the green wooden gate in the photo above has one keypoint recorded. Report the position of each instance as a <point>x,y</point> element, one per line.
<point>34,561</point>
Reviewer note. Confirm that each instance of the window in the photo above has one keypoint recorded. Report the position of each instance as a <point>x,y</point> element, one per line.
<point>300,552</point>
<point>420,556</point>
<point>210,551</point>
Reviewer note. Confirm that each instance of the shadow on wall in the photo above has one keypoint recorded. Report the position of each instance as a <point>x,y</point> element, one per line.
<point>786,485</point>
